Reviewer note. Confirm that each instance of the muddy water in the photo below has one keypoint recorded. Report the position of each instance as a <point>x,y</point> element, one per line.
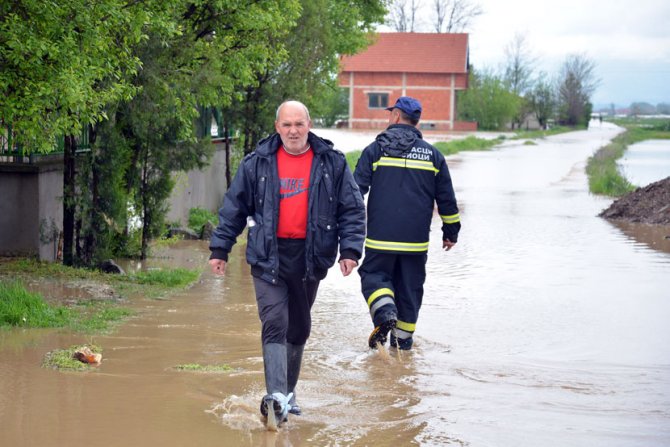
<point>544,326</point>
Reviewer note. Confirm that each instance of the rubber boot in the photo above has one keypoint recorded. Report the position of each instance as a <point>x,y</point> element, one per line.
<point>274,362</point>
<point>294,360</point>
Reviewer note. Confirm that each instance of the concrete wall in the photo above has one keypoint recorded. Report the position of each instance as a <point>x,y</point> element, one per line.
<point>31,211</point>
<point>31,207</point>
<point>202,189</point>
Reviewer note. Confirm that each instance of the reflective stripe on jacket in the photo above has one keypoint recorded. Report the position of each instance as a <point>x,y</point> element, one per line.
<point>405,176</point>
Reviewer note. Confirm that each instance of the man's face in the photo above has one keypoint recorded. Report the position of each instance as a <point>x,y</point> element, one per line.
<point>292,125</point>
<point>394,116</point>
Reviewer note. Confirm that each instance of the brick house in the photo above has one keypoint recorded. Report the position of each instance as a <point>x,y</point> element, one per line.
<point>428,66</point>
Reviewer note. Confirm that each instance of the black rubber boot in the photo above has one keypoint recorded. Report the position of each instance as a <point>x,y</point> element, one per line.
<point>379,333</point>
<point>274,363</point>
<point>294,360</point>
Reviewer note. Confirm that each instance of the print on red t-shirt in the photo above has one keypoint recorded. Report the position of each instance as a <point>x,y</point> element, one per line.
<point>294,171</point>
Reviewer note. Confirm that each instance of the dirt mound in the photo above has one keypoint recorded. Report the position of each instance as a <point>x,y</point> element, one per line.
<point>650,205</point>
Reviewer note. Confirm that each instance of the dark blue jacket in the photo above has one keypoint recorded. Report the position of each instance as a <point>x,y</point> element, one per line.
<point>406,177</point>
<point>336,212</point>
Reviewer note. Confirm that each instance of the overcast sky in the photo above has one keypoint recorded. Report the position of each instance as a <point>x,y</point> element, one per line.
<point>629,40</point>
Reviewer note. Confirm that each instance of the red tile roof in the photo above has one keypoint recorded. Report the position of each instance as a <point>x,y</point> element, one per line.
<point>412,53</point>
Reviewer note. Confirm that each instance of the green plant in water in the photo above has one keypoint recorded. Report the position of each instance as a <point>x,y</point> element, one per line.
<point>196,367</point>
<point>62,359</point>
<point>169,278</point>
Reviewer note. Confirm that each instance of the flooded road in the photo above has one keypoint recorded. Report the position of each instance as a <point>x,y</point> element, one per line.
<point>544,326</point>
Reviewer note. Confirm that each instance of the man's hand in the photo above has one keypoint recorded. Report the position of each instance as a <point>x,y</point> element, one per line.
<point>218,266</point>
<point>347,266</point>
<point>447,244</point>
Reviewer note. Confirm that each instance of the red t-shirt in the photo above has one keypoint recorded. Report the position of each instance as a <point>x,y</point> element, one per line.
<point>294,173</point>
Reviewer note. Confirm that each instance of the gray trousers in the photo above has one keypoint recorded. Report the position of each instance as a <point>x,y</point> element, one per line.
<point>285,308</point>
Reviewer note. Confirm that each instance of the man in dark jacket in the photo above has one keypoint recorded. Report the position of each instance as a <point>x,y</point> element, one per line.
<point>406,176</point>
<point>299,200</point>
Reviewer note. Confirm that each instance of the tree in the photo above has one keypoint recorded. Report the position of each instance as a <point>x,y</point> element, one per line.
<point>402,15</point>
<point>542,99</point>
<point>325,30</point>
<point>663,108</point>
<point>193,59</point>
<point>454,16</point>
<point>517,73</point>
<point>642,108</point>
<point>63,63</point>
<point>576,83</point>
<point>487,101</point>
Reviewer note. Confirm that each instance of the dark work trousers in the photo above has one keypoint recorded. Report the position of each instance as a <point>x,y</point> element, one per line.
<point>285,308</point>
<point>393,284</point>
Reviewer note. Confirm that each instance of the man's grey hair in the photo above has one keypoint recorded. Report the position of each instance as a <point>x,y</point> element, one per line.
<point>291,101</point>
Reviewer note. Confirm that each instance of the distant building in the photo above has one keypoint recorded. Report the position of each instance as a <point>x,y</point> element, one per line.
<point>428,66</point>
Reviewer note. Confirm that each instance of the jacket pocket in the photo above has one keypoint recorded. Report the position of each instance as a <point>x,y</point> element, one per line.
<point>325,242</point>
<point>257,249</point>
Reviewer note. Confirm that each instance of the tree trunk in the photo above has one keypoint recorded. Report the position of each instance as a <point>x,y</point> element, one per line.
<point>146,212</point>
<point>227,149</point>
<point>69,206</point>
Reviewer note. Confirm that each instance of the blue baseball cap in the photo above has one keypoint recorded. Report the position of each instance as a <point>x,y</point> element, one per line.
<point>409,105</point>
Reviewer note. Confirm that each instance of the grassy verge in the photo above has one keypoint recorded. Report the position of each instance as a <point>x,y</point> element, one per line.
<point>21,308</point>
<point>602,170</point>
<point>470,143</point>
<point>535,134</point>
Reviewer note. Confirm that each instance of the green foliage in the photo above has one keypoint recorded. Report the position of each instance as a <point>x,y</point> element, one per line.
<point>542,100</point>
<point>576,84</point>
<point>62,63</point>
<point>603,172</point>
<point>197,217</point>
<point>488,101</point>
<point>333,106</point>
<point>352,158</point>
<point>62,359</point>
<point>307,71</point>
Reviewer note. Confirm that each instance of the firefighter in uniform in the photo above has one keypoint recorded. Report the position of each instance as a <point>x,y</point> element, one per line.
<point>405,176</point>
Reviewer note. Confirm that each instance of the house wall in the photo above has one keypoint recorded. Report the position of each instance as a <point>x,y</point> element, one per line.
<point>436,91</point>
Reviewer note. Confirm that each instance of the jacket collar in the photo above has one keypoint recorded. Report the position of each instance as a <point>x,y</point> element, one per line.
<point>271,144</point>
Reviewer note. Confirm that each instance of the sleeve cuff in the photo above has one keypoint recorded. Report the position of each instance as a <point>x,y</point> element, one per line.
<point>349,254</point>
<point>217,253</point>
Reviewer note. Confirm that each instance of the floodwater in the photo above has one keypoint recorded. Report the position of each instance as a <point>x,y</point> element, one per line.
<point>646,162</point>
<point>544,326</point>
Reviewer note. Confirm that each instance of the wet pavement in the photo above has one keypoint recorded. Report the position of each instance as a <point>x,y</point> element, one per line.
<point>544,326</point>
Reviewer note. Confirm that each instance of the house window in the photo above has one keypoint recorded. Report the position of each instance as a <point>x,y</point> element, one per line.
<point>378,100</point>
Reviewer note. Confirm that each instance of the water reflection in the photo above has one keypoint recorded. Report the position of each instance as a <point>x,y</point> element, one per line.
<point>646,162</point>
